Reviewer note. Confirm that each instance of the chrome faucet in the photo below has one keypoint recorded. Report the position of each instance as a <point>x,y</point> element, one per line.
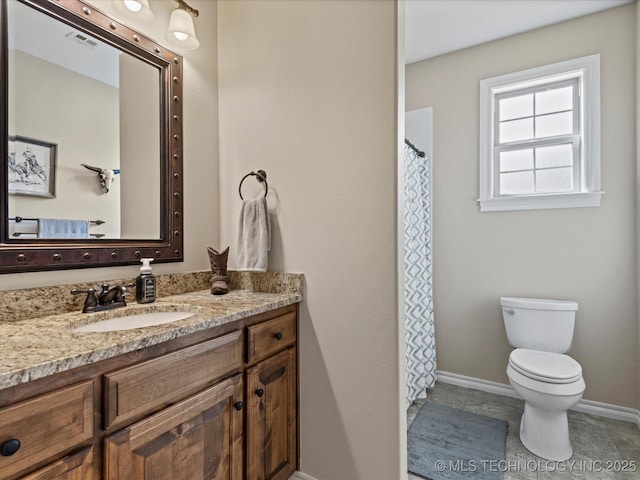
<point>106,299</point>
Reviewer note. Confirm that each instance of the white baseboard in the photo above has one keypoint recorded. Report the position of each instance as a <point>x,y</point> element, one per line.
<point>301,476</point>
<point>585,406</point>
<point>476,383</point>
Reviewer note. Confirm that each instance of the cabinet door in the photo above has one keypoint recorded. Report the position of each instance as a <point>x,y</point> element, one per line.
<point>77,466</point>
<point>272,443</point>
<point>198,438</point>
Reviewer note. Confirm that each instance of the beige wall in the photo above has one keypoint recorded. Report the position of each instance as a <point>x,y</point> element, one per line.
<point>201,215</point>
<point>583,254</point>
<point>308,93</point>
<point>139,148</point>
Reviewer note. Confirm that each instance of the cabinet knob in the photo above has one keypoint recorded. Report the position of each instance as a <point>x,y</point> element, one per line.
<point>278,335</point>
<point>260,392</point>
<point>238,405</point>
<point>10,447</point>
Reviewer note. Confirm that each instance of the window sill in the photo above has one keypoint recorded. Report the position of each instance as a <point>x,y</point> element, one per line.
<point>539,202</point>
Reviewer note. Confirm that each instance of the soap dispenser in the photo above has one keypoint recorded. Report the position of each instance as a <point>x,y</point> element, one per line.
<point>145,283</point>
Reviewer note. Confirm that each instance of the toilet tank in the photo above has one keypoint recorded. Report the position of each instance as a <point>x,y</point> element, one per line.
<point>539,324</point>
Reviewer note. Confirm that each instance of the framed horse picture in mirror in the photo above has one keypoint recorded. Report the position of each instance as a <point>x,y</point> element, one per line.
<point>32,167</point>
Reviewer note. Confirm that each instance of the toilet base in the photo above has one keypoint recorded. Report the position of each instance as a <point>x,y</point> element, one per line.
<point>545,433</point>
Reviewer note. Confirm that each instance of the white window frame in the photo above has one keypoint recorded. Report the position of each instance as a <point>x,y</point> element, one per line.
<point>587,191</point>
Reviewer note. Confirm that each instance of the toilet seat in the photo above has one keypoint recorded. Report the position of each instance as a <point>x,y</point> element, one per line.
<point>545,367</point>
<point>540,386</point>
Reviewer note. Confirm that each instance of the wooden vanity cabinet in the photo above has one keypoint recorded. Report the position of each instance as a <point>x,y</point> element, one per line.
<point>217,404</point>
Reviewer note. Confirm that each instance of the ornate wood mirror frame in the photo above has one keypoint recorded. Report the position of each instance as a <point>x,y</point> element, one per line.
<point>22,255</point>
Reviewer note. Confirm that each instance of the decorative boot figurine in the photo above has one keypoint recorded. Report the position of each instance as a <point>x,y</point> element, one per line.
<point>219,278</point>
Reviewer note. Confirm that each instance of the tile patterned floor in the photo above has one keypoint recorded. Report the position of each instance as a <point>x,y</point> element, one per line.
<point>603,447</point>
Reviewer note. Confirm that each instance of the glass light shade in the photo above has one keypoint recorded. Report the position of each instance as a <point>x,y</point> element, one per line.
<point>181,32</point>
<point>136,10</point>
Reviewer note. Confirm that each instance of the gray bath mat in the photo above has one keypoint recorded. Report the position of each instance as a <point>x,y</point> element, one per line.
<point>446,443</point>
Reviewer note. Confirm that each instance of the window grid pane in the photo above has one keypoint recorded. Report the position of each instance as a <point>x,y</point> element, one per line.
<point>554,180</point>
<point>554,100</point>
<point>516,130</point>
<point>516,107</point>
<point>554,124</point>
<point>514,160</point>
<point>517,183</point>
<point>554,156</point>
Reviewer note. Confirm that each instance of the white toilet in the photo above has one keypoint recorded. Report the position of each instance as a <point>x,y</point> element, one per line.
<point>549,382</point>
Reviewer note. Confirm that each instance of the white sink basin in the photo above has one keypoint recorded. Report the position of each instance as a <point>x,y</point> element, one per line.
<point>129,322</point>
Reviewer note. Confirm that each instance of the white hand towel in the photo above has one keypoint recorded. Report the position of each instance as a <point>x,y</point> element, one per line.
<point>62,228</point>
<point>254,236</point>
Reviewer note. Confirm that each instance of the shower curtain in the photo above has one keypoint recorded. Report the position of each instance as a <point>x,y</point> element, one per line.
<point>418,300</point>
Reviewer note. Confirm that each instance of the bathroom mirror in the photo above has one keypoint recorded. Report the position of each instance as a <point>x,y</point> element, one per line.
<point>91,169</point>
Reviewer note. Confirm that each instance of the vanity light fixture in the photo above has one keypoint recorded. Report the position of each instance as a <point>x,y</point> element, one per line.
<point>137,10</point>
<point>181,31</point>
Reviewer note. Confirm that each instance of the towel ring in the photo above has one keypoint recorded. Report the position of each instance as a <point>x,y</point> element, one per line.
<point>261,176</point>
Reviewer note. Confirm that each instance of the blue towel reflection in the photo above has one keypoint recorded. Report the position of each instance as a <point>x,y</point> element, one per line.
<point>62,228</point>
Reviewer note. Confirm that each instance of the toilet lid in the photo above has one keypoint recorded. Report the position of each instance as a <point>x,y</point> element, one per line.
<point>545,366</point>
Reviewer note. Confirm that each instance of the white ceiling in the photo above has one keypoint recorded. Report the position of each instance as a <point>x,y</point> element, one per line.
<point>435,27</point>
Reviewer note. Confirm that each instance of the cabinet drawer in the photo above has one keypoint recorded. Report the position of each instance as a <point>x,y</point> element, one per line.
<point>133,392</point>
<point>46,426</point>
<point>270,337</point>
<point>77,466</point>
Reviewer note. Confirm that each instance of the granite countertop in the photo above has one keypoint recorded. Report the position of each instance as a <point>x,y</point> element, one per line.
<point>39,347</point>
